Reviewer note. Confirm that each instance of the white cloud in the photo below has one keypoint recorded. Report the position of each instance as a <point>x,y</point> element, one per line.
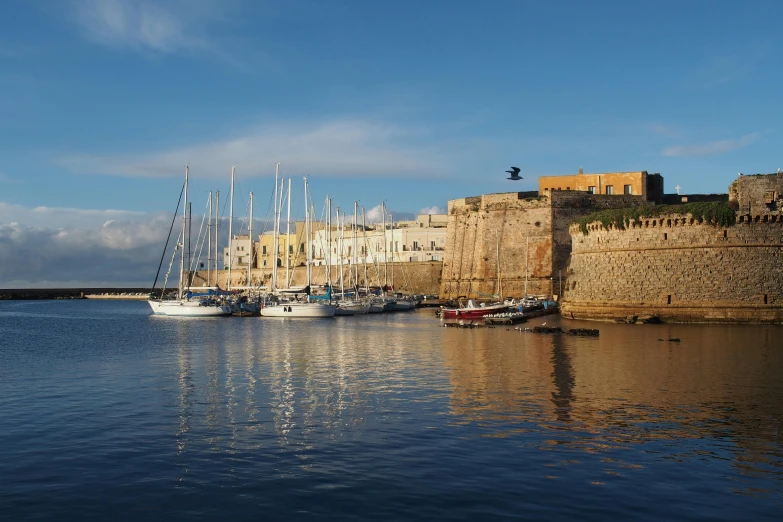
<point>711,148</point>
<point>432,210</point>
<point>340,148</point>
<point>67,247</point>
<point>54,217</point>
<point>375,215</point>
<point>155,25</point>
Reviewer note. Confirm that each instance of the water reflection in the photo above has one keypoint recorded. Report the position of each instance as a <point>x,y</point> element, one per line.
<point>717,384</point>
<point>304,387</point>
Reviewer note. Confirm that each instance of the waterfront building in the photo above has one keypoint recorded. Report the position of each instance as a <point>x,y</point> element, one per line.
<point>640,183</point>
<point>406,242</point>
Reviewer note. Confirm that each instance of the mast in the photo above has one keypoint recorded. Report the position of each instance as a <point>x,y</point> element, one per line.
<point>391,218</point>
<point>209,240</point>
<point>353,253</point>
<point>217,217</point>
<point>190,254</point>
<point>527,244</point>
<point>274,233</point>
<point>307,235</point>
<point>385,251</point>
<point>497,247</point>
<point>250,235</point>
<point>288,239</point>
<point>340,251</point>
<point>277,228</point>
<point>364,232</point>
<point>329,241</point>
<point>182,253</point>
<point>230,229</point>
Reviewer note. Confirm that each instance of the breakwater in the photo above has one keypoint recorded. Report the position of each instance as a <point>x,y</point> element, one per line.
<point>69,293</point>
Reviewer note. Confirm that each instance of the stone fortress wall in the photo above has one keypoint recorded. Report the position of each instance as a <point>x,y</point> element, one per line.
<point>531,234</point>
<point>677,269</point>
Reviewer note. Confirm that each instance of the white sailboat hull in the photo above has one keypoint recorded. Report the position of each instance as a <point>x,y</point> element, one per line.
<point>352,308</point>
<point>376,307</point>
<point>187,309</point>
<point>299,310</point>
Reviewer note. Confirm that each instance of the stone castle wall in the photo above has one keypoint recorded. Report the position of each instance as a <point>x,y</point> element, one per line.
<point>411,278</point>
<point>678,270</point>
<point>533,237</point>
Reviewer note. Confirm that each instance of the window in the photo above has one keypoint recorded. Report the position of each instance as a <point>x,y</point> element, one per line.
<point>415,245</point>
<point>301,248</point>
<point>290,249</point>
<point>627,189</point>
<point>264,262</point>
<point>610,189</point>
<point>432,245</point>
<point>568,188</point>
<point>263,251</point>
<point>591,189</point>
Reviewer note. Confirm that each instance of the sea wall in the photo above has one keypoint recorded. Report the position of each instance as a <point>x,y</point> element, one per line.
<point>522,234</point>
<point>679,270</point>
<point>411,278</point>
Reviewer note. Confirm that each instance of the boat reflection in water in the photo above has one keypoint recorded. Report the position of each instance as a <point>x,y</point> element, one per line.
<point>401,397</point>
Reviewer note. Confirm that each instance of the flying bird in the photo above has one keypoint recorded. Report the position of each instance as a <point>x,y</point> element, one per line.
<point>514,173</point>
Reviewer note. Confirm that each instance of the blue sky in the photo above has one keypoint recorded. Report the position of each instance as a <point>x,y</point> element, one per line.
<point>103,102</point>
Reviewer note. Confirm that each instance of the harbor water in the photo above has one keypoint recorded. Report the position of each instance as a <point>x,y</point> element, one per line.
<point>108,413</point>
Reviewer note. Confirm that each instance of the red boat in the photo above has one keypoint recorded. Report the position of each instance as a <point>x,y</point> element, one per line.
<point>473,311</point>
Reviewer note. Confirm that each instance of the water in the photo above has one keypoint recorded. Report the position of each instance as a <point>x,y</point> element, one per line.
<point>108,413</point>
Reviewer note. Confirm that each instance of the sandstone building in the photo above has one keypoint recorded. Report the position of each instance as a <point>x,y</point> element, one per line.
<point>648,186</point>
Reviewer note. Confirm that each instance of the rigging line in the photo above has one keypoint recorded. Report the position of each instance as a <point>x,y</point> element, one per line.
<point>199,239</point>
<point>163,255</point>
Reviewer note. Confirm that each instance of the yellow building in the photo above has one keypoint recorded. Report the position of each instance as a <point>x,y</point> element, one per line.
<point>649,186</point>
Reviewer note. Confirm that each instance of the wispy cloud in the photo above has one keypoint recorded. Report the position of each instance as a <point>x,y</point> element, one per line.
<point>161,26</point>
<point>666,130</point>
<point>53,217</point>
<point>339,148</point>
<point>711,148</point>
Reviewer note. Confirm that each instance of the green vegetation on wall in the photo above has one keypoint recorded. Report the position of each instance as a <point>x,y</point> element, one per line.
<point>717,213</point>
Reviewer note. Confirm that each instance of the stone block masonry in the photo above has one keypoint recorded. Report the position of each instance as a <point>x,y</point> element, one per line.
<point>679,270</point>
<point>530,232</point>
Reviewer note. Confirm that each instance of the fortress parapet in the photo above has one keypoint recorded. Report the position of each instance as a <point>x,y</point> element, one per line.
<point>678,267</point>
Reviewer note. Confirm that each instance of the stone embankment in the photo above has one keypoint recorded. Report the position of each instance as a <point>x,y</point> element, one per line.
<point>675,268</point>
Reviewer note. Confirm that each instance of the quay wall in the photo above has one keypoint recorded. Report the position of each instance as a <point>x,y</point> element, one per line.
<point>409,278</point>
<point>533,238</point>
<point>678,270</point>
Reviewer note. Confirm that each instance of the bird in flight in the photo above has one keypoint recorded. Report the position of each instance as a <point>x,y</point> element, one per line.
<point>514,173</point>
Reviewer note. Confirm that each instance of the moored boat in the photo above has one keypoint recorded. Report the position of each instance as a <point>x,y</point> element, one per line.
<point>473,310</point>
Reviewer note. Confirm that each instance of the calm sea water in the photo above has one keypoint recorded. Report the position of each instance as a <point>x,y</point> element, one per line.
<point>107,413</point>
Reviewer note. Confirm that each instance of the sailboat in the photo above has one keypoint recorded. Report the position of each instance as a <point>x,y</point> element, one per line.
<point>311,306</point>
<point>184,305</point>
<point>474,310</point>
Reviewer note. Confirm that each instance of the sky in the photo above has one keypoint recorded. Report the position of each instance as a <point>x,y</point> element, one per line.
<point>104,102</point>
